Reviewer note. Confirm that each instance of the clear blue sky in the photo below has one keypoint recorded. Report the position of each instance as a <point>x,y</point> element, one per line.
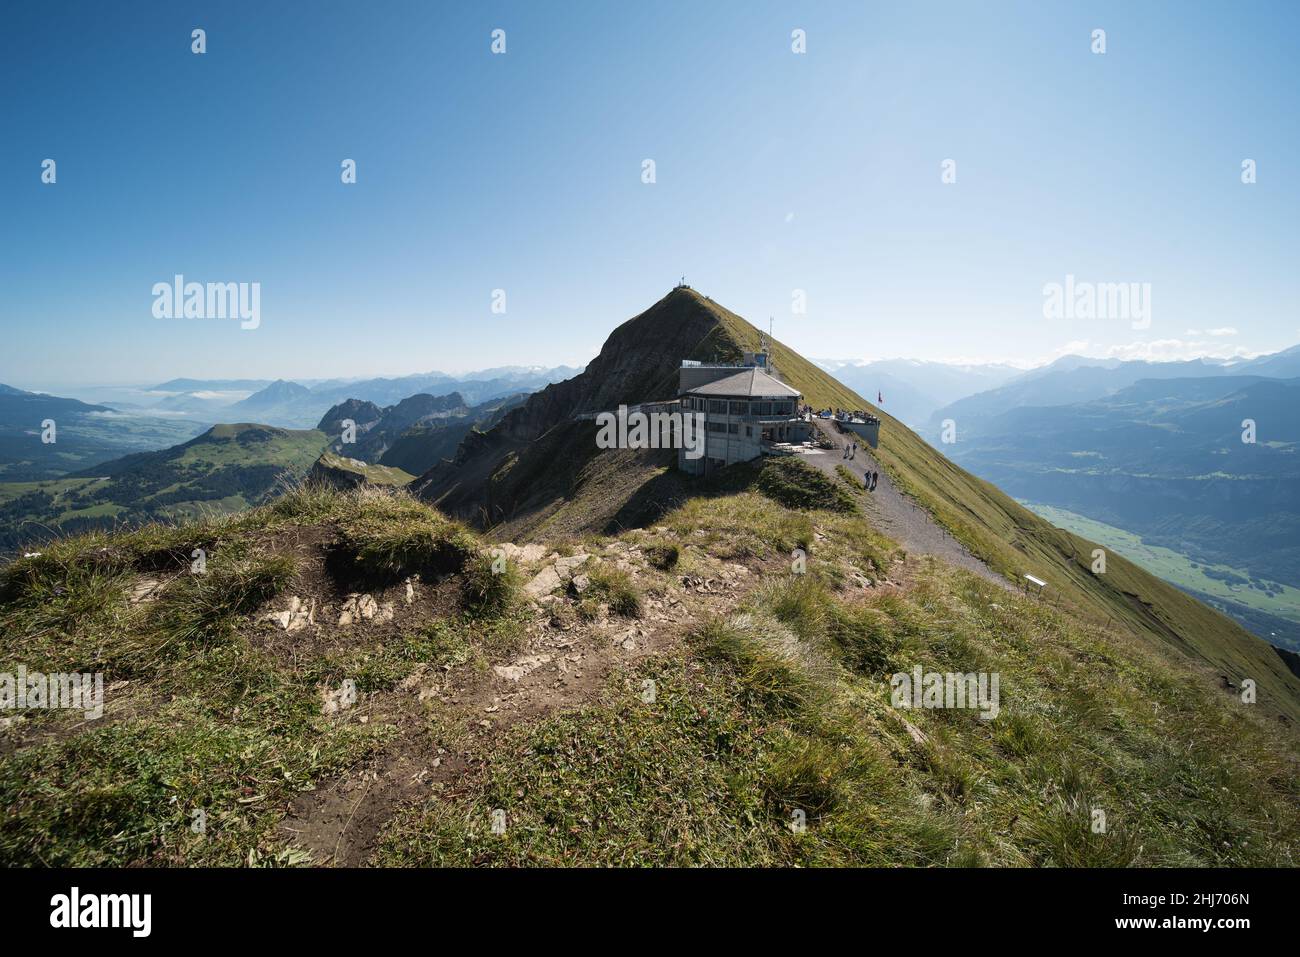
<point>775,171</point>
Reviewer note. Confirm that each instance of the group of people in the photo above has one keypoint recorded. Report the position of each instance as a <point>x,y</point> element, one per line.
<point>844,415</point>
<point>870,478</point>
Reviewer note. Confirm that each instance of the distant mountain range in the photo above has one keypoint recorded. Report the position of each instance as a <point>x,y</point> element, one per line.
<point>293,404</point>
<point>224,469</point>
<point>1157,450</point>
<point>97,424</point>
<point>413,435</point>
<point>912,389</point>
<point>1078,379</point>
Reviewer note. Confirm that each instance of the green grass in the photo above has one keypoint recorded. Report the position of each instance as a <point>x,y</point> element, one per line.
<point>198,718</point>
<point>796,484</point>
<point>1276,599</point>
<point>749,524</point>
<point>611,586</point>
<point>398,536</point>
<point>774,714</point>
<point>784,710</point>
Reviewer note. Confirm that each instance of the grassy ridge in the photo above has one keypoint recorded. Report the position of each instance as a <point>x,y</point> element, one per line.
<point>778,712</point>
<point>781,714</point>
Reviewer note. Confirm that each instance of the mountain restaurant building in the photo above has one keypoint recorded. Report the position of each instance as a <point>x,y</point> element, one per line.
<point>746,410</point>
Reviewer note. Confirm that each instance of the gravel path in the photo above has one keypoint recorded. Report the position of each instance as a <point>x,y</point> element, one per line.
<point>893,512</point>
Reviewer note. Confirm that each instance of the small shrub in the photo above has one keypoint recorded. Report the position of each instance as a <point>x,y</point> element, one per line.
<point>411,539</point>
<point>663,555</point>
<point>615,587</point>
<point>488,591</point>
<point>764,658</point>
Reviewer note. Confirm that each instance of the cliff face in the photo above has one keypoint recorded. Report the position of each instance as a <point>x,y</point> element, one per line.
<point>364,414</point>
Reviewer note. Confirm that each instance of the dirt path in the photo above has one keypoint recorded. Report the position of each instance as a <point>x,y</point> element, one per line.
<point>894,513</point>
<point>563,664</point>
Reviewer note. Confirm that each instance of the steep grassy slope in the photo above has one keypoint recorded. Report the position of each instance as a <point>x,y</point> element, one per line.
<point>771,741</point>
<point>1015,542</point>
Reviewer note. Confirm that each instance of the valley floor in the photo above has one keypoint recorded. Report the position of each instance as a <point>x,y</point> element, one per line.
<point>1272,611</point>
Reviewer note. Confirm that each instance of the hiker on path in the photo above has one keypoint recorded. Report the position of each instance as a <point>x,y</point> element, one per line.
<point>874,477</point>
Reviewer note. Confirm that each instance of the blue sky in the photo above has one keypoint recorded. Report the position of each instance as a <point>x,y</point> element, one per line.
<point>775,172</point>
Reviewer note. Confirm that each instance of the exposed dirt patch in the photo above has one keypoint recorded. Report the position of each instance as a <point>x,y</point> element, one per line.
<point>447,720</point>
<point>327,611</point>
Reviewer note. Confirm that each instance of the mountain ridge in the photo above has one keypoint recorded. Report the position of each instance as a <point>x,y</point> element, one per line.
<point>538,472</point>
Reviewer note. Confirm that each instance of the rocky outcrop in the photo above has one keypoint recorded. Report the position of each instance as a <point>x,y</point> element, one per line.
<point>342,472</point>
<point>364,414</point>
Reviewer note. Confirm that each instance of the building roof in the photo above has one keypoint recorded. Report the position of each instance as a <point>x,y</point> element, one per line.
<point>748,383</point>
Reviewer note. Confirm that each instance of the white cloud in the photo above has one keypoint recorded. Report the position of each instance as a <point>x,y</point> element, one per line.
<point>1159,350</point>
<point>1220,331</point>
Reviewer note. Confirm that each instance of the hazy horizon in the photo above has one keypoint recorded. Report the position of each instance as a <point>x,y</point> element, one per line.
<point>462,373</point>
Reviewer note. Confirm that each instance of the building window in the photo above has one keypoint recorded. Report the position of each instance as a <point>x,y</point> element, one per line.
<point>733,428</point>
<point>739,408</point>
<point>749,433</point>
<point>762,408</point>
<point>718,405</point>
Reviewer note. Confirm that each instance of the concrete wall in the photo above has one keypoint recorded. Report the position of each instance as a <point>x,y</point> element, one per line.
<point>868,430</point>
